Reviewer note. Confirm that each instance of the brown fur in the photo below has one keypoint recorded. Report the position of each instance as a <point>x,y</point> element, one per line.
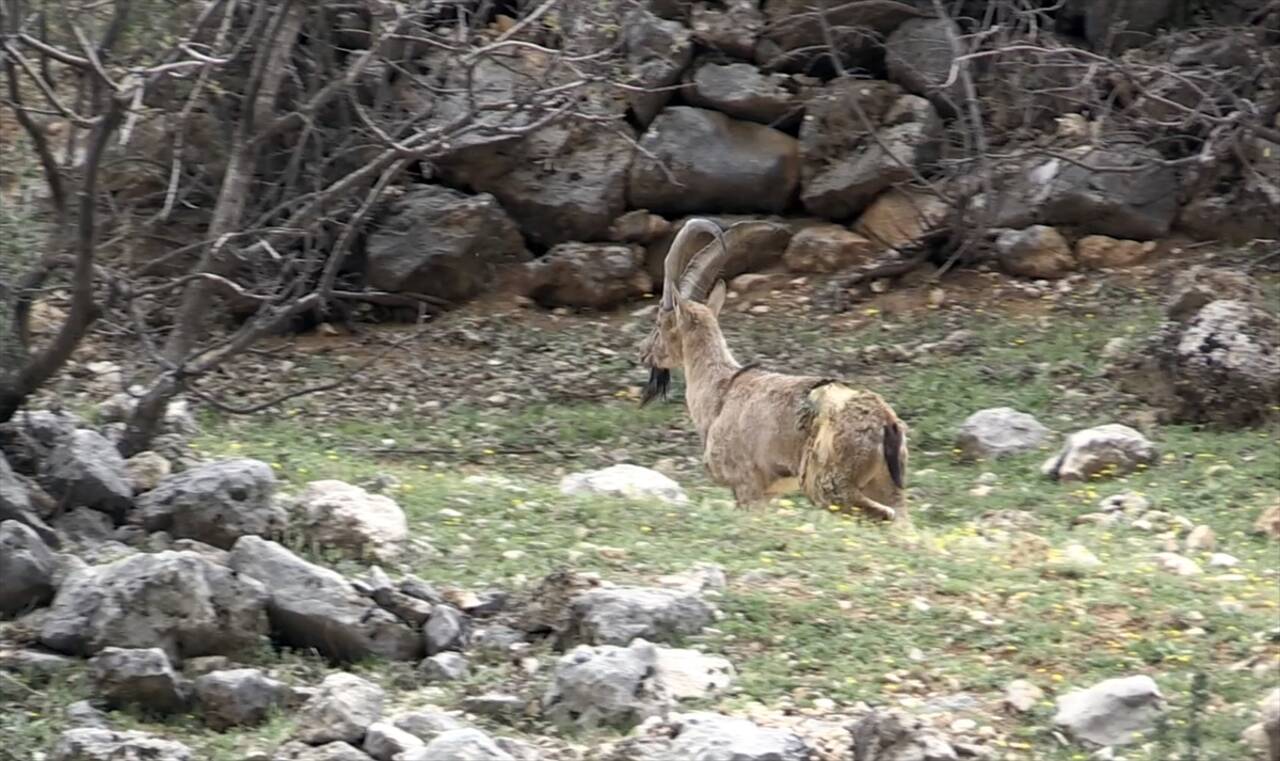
<point>766,433</point>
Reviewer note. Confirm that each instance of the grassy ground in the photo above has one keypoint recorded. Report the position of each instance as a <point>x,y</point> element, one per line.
<point>821,606</point>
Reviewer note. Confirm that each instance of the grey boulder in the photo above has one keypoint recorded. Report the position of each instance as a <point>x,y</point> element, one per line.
<point>341,710</point>
<point>178,601</point>
<point>716,736</point>
<point>238,697</point>
<point>703,159</point>
<point>439,242</point>
<point>618,615</point>
<point>140,677</point>
<point>27,569</point>
<point>314,607</point>
<point>1112,712</point>
<point>91,744</point>
<point>1000,431</point>
<point>16,505</point>
<point>215,503</point>
<point>384,741</point>
<point>86,469</point>
<point>460,745</point>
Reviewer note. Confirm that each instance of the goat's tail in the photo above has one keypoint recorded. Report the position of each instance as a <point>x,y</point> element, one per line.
<point>893,452</point>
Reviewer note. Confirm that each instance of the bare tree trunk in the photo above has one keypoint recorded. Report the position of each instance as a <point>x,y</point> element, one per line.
<point>269,70</point>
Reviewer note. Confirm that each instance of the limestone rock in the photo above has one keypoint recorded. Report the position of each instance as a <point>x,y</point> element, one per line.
<point>87,469</point>
<point>90,744</point>
<point>849,160</point>
<point>440,242</point>
<point>215,503</point>
<point>1038,252</point>
<point>1111,449</point>
<point>238,697</point>
<point>827,248</point>
<point>141,677</point>
<point>341,711</point>
<point>1104,252</point>
<point>27,569</point>
<point>178,601</point>
<point>1000,431</point>
<point>314,607</point>
<point>624,480</point>
<point>1112,712</point>
<point>618,615</point>
<point>711,158</point>
<point>340,515</point>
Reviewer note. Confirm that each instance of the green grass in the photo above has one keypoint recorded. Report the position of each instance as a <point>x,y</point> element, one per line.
<point>822,606</point>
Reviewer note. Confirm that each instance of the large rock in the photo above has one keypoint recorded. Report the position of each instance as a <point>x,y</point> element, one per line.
<point>899,217</point>
<point>314,607</point>
<point>795,39</point>
<point>730,27</point>
<point>1120,190</point>
<point>1103,252</point>
<point>1197,285</point>
<point>140,677</point>
<point>1111,449</point>
<point>339,515</point>
<point>827,248</point>
<point>859,138</point>
<point>447,629</point>
<point>630,481</point>
<point>1038,252</point>
<point>27,569</point>
<point>178,601</point>
<point>15,505</point>
<point>334,751</point>
<point>426,725</point>
<point>594,275</point>
<point>919,55</point>
<point>1000,431</point>
<point>657,53</point>
<point>90,744</point>
<point>744,92</point>
<point>215,503</point>
<point>702,160</point>
<point>460,745</point>
<point>87,469</point>
<point>238,697</point>
<point>704,735</point>
<point>605,686</point>
<point>618,615</point>
<point>565,182</point>
<point>343,708</point>
<point>1112,712</point>
<point>442,243</point>
<point>1221,366</point>
<point>384,741</point>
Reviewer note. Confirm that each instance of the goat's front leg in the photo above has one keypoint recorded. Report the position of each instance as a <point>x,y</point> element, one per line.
<point>857,498</point>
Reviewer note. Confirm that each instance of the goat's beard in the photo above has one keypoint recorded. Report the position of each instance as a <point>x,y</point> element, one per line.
<point>656,388</point>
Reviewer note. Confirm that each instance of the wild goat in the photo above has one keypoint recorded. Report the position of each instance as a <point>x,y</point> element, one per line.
<point>764,433</point>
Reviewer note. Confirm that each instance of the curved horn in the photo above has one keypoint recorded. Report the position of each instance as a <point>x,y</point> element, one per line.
<point>705,266</point>
<point>679,255</point>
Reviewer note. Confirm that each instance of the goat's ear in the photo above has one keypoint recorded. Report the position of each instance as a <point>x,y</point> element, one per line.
<point>716,300</point>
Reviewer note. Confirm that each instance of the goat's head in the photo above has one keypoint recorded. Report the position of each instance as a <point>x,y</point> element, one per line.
<point>688,276</point>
